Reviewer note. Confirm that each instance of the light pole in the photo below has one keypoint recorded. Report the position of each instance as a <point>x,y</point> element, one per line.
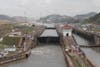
<point>25,17</point>
<point>24,12</point>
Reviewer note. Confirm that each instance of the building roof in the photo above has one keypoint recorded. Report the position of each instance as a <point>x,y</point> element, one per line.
<point>67,26</point>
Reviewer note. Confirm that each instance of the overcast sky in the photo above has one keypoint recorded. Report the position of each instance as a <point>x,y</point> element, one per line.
<point>39,8</point>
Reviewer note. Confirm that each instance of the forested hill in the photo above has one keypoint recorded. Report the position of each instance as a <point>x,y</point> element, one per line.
<point>56,19</point>
<point>94,19</point>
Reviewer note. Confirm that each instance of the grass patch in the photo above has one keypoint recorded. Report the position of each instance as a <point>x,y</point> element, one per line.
<point>25,29</point>
<point>10,41</point>
<point>5,28</point>
<point>78,63</point>
<point>2,46</point>
<point>96,30</point>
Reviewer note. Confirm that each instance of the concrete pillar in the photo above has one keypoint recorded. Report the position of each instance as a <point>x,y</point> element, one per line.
<point>97,40</point>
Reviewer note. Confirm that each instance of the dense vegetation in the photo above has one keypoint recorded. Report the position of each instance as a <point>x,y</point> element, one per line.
<point>95,19</point>
<point>10,41</point>
<point>5,28</point>
<point>57,18</point>
<point>25,29</point>
<point>67,19</point>
<point>92,19</point>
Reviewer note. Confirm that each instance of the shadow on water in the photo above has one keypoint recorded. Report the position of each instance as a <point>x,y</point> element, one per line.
<point>48,40</point>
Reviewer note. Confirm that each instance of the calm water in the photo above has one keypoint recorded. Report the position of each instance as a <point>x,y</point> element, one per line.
<point>92,54</point>
<point>48,55</point>
<point>42,56</point>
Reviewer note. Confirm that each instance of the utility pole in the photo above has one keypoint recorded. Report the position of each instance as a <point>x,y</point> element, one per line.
<point>25,17</point>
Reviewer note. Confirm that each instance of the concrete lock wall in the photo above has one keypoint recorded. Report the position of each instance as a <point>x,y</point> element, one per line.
<point>88,36</point>
<point>48,39</point>
<point>97,40</point>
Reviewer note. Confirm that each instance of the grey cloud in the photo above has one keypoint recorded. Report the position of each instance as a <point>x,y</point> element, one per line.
<point>38,8</point>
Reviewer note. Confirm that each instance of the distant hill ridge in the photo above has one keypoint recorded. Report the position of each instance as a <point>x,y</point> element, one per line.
<point>5,17</point>
<point>95,19</point>
<point>56,18</point>
<point>14,18</point>
<point>85,16</point>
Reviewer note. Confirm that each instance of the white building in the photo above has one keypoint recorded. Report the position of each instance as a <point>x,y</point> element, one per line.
<point>10,49</point>
<point>67,31</point>
<point>1,39</point>
<point>15,33</point>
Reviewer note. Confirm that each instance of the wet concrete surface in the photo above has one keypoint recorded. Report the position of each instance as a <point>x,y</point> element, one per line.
<point>42,56</point>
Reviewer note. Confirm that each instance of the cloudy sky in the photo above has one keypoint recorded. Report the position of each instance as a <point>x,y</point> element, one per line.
<point>39,8</point>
